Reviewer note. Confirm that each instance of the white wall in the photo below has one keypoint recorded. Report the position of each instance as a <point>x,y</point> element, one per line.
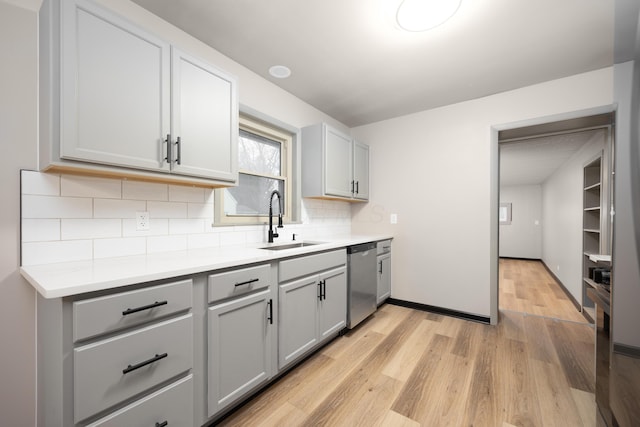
<point>523,237</point>
<point>18,126</point>
<point>562,209</point>
<point>435,170</point>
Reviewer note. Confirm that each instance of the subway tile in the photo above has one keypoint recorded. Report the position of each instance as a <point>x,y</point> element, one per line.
<point>181,193</point>
<point>73,229</point>
<point>166,243</point>
<point>38,183</point>
<point>232,238</point>
<point>51,252</point>
<point>88,186</point>
<point>56,207</point>
<point>112,208</point>
<point>128,246</point>
<point>40,230</point>
<point>186,226</point>
<point>167,209</point>
<point>200,210</point>
<point>208,240</point>
<point>157,227</point>
<point>138,190</point>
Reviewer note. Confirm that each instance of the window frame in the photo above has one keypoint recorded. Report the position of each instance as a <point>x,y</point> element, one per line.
<point>253,122</point>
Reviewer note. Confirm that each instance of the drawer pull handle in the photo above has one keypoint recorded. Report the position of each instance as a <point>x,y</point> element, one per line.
<point>145,363</point>
<point>144,307</point>
<point>248,282</point>
<point>162,424</point>
<point>270,317</point>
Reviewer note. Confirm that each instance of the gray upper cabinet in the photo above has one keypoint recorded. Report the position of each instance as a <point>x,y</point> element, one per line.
<point>334,166</point>
<point>116,98</point>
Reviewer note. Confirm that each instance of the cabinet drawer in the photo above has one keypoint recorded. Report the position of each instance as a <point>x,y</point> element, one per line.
<point>110,371</point>
<point>96,316</point>
<point>383,247</point>
<point>172,404</point>
<point>291,268</point>
<point>238,282</point>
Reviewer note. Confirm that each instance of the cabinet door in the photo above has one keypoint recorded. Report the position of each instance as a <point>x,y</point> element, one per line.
<point>239,348</point>
<point>114,90</point>
<point>204,118</point>
<point>337,163</point>
<point>361,170</point>
<point>298,320</point>
<point>384,277</point>
<point>333,306</point>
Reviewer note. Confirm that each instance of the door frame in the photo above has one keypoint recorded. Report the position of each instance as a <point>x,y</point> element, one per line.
<point>494,191</point>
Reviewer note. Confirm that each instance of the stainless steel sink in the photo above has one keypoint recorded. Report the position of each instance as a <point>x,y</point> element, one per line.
<point>290,246</point>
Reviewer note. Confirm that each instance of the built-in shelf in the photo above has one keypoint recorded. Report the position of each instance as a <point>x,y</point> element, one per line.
<point>594,209</point>
<point>592,187</point>
<point>600,258</point>
<point>591,230</point>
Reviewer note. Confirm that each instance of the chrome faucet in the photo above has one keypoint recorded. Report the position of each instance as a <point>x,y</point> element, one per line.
<point>274,232</point>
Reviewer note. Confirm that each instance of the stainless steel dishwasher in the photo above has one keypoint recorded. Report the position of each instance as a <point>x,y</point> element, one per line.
<point>362,285</point>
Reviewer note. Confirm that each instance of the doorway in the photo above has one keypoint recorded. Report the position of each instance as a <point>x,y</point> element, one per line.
<point>544,235</point>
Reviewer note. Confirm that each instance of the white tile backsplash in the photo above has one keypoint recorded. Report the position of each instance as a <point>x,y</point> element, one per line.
<point>83,186</point>
<point>34,253</point>
<point>56,207</point>
<point>113,208</point>
<point>179,193</point>
<point>40,230</point>
<point>137,190</point>
<point>94,228</point>
<point>107,248</point>
<point>42,184</point>
<point>72,218</point>
<point>186,226</point>
<point>167,209</point>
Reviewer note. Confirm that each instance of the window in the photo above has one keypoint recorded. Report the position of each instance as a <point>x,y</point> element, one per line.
<point>264,164</point>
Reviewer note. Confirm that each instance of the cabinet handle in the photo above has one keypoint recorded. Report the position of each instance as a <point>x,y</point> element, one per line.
<point>168,142</point>
<point>144,307</point>
<point>178,144</point>
<point>247,282</point>
<point>270,317</point>
<point>357,187</point>
<point>155,358</point>
<point>353,183</point>
<point>380,271</point>
<point>320,290</point>
<point>162,424</point>
<point>323,289</point>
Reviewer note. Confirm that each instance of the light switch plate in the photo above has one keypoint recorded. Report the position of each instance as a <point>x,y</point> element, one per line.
<point>393,218</point>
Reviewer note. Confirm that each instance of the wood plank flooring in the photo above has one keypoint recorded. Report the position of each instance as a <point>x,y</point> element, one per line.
<point>404,367</point>
<point>527,287</point>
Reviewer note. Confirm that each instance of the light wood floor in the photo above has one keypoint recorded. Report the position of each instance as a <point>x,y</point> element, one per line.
<point>527,287</point>
<point>404,367</point>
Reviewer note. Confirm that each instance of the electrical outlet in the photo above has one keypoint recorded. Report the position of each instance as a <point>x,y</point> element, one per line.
<point>393,218</point>
<point>142,221</point>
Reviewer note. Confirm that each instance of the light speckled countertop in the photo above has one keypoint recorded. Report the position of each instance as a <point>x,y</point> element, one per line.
<point>71,278</point>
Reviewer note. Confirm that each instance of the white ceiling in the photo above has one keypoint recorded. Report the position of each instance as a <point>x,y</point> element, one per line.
<point>532,161</point>
<point>350,61</point>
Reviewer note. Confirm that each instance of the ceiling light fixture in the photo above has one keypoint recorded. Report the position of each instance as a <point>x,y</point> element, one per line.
<point>422,15</point>
<point>280,71</point>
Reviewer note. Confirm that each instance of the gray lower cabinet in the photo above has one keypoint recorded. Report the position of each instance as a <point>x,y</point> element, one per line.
<point>384,270</point>
<point>312,308</point>
<point>241,334</point>
<point>117,358</point>
<point>170,406</point>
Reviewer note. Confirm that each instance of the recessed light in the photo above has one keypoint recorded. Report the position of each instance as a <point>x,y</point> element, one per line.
<point>280,71</point>
<point>422,15</point>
